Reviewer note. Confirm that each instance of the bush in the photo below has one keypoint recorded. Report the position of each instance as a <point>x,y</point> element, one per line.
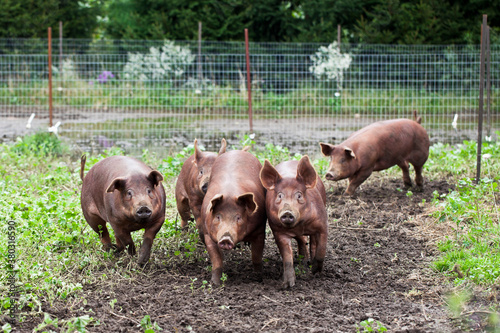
<point>39,144</point>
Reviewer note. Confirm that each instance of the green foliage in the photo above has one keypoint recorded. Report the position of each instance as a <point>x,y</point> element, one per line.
<point>40,144</point>
<point>370,325</point>
<point>415,22</point>
<point>30,19</point>
<point>473,254</point>
<point>149,327</point>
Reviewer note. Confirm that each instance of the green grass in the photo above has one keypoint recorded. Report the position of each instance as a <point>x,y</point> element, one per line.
<point>472,253</point>
<point>309,98</point>
<point>57,253</point>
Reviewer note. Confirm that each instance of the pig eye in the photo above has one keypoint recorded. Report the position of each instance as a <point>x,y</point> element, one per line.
<point>129,193</point>
<point>201,172</point>
<point>281,195</point>
<point>298,195</point>
<point>238,219</point>
<point>217,218</point>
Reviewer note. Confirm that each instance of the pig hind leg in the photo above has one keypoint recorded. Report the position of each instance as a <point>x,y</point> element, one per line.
<point>419,179</point>
<point>302,249</point>
<point>99,226</point>
<point>184,211</point>
<point>320,241</point>
<point>405,167</point>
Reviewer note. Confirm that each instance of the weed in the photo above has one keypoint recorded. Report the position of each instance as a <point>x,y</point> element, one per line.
<point>370,325</point>
<point>40,144</point>
<point>149,327</point>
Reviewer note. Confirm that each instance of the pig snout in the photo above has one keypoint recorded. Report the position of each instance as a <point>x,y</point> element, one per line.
<point>204,185</point>
<point>143,212</point>
<point>226,242</point>
<point>204,188</point>
<point>287,217</point>
<point>330,175</point>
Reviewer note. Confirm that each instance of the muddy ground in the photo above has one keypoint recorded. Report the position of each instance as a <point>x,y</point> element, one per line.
<point>381,244</point>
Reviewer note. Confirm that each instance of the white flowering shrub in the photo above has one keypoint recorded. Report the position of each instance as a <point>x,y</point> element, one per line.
<point>329,63</point>
<point>162,63</point>
<point>67,70</point>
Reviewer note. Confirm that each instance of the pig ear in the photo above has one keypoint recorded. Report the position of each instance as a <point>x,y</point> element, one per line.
<point>269,177</point>
<point>306,172</point>
<point>223,145</point>
<point>117,184</point>
<point>197,152</point>
<point>246,200</point>
<point>326,148</point>
<point>217,199</point>
<point>349,152</point>
<point>155,177</point>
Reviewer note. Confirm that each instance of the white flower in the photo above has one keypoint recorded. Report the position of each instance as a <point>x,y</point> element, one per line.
<point>330,63</point>
<point>337,94</point>
<point>159,64</point>
<point>486,156</point>
<point>252,136</point>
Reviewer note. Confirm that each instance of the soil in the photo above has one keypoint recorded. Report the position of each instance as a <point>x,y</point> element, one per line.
<point>377,266</point>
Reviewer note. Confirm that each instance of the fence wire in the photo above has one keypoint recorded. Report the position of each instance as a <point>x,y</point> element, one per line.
<point>161,94</point>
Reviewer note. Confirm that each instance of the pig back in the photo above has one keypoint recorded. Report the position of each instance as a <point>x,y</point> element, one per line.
<point>233,174</point>
<point>391,139</point>
<point>103,172</point>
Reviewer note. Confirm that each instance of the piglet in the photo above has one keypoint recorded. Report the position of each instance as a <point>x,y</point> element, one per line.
<point>192,183</point>
<point>233,209</point>
<point>129,195</point>
<point>376,147</point>
<point>296,207</point>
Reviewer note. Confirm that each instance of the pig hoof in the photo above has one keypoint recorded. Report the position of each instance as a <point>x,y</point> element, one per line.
<point>109,247</point>
<point>288,284</point>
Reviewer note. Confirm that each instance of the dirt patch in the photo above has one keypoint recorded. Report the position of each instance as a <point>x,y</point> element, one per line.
<point>377,266</point>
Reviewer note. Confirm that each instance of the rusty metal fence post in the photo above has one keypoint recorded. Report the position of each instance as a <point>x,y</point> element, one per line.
<point>50,75</point>
<point>249,82</point>
<point>484,32</point>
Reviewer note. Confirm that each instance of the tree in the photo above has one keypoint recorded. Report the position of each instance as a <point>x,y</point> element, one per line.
<point>30,19</point>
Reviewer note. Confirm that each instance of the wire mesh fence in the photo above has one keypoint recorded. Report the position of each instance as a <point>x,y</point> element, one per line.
<point>161,95</point>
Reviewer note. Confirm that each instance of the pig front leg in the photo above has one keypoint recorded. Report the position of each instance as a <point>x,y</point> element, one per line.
<point>257,248</point>
<point>320,253</point>
<point>215,258</point>
<point>147,242</point>
<point>285,246</point>
<point>124,239</point>
<point>357,180</point>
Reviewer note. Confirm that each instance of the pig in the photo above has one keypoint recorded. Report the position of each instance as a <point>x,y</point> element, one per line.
<point>376,147</point>
<point>129,195</point>
<point>233,210</point>
<point>192,183</point>
<point>296,207</point>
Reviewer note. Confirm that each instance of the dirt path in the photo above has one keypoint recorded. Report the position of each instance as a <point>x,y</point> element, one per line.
<point>377,266</point>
